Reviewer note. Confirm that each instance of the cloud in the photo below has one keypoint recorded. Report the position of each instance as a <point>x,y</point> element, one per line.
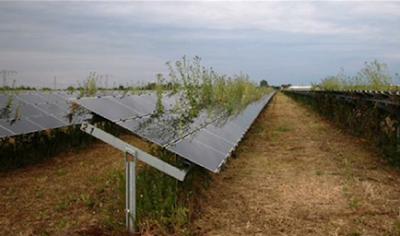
<point>303,17</point>
<point>289,41</point>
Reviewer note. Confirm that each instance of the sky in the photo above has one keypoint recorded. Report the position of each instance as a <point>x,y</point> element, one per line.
<point>281,42</point>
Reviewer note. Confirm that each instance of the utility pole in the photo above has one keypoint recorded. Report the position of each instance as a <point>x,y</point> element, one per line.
<point>5,73</point>
<point>55,82</point>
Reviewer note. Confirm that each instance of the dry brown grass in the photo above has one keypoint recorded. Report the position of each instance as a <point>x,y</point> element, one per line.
<point>301,176</point>
<point>49,198</point>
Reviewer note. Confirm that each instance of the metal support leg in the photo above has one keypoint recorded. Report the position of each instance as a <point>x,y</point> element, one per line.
<point>130,159</point>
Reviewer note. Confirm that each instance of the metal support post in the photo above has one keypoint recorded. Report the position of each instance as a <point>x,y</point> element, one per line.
<point>132,154</point>
<point>130,160</point>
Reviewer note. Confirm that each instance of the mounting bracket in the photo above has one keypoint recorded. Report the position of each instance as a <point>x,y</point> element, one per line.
<point>131,155</point>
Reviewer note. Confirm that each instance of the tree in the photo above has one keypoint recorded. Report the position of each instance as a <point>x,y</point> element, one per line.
<point>263,83</point>
<point>284,86</point>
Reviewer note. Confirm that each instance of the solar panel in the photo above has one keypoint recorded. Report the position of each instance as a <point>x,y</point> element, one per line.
<point>52,97</point>
<point>110,109</point>
<point>48,122</point>
<point>35,111</point>
<point>3,100</point>
<point>31,98</point>
<point>22,126</point>
<point>49,110</point>
<point>219,139</point>
<point>5,132</point>
<point>52,108</point>
<point>206,142</point>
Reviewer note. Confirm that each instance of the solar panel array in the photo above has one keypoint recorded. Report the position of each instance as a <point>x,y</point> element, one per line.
<point>31,112</point>
<point>206,141</point>
<point>28,112</point>
<point>386,100</point>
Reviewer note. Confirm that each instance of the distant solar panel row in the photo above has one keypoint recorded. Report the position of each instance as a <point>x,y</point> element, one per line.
<point>27,112</point>
<point>31,112</point>
<point>205,141</point>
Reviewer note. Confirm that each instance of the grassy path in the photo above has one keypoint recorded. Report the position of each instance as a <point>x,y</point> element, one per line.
<point>298,175</point>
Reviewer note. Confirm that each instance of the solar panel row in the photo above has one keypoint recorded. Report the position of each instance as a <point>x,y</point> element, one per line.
<point>211,146</point>
<point>31,112</point>
<point>206,141</point>
<point>27,112</point>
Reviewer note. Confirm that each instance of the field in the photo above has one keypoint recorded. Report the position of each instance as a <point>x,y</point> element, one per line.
<point>293,174</point>
<point>192,118</point>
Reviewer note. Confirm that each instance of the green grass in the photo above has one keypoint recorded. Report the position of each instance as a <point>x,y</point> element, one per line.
<point>355,202</point>
<point>61,206</point>
<point>257,129</point>
<point>319,172</point>
<point>87,199</point>
<point>374,76</point>
<point>354,232</point>
<point>61,172</point>
<point>283,128</point>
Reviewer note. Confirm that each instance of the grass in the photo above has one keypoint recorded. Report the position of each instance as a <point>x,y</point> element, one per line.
<point>319,172</point>
<point>61,206</point>
<point>61,172</point>
<point>203,89</point>
<point>354,232</point>
<point>355,202</point>
<point>397,223</point>
<point>374,76</point>
<point>87,199</point>
<point>283,128</point>
<point>257,129</point>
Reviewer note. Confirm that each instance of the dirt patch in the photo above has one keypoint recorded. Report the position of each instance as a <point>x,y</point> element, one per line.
<point>295,174</point>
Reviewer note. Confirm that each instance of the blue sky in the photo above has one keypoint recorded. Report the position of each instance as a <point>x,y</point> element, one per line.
<point>283,42</point>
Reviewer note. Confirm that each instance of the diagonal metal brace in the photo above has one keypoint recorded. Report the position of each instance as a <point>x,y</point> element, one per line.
<point>155,162</point>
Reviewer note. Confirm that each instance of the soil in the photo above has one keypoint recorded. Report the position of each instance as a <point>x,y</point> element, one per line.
<point>294,174</point>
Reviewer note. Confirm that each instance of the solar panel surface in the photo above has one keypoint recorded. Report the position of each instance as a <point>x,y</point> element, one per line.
<point>206,141</point>
<point>27,112</point>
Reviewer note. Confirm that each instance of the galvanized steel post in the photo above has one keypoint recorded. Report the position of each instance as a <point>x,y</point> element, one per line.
<point>130,160</point>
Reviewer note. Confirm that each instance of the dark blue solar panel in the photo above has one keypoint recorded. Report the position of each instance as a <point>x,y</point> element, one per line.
<point>35,111</point>
<point>4,132</point>
<point>22,126</point>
